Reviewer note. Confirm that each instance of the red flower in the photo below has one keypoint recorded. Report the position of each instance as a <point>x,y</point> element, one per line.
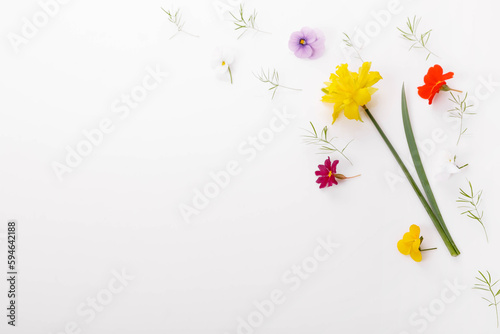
<point>434,81</point>
<point>326,173</point>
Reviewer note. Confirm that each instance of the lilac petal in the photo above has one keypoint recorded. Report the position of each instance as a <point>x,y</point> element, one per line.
<point>309,35</point>
<point>318,45</point>
<point>294,42</point>
<point>304,51</point>
<point>334,180</point>
<point>319,50</point>
<point>320,36</point>
<point>334,166</point>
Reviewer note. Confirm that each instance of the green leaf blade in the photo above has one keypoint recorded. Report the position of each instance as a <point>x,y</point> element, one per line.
<point>417,161</point>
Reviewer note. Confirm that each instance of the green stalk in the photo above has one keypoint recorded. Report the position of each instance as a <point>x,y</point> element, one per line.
<point>230,74</point>
<point>417,161</point>
<point>421,197</point>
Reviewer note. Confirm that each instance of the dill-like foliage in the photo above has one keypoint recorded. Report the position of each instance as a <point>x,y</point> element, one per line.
<point>322,140</point>
<point>175,17</point>
<point>470,205</point>
<point>245,24</point>
<point>487,286</point>
<point>460,110</point>
<point>348,42</point>
<point>273,79</point>
<point>418,41</point>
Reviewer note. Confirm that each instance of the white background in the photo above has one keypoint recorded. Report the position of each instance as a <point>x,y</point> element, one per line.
<point>120,208</point>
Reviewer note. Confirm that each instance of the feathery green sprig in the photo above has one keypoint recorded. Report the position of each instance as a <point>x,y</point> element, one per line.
<point>245,24</point>
<point>348,42</point>
<point>486,285</point>
<point>418,41</point>
<point>460,110</point>
<point>470,204</point>
<point>175,17</point>
<point>273,79</point>
<point>325,144</point>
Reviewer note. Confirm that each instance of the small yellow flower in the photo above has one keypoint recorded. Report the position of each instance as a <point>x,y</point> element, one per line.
<point>350,90</point>
<point>410,244</point>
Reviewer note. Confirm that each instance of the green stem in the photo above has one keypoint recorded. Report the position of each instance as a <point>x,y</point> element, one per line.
<point>187,33</point>
<point>484,228</point>
<point>461,128</point>
<point>495,301</point>
<point>230,74</point>
<point>421,197</point>
<point>297,89</point>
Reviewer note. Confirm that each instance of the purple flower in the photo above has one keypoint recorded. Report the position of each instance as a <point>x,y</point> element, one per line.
<point>307,43</point>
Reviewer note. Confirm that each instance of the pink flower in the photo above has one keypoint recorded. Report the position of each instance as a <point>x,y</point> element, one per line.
<point>327,174</point>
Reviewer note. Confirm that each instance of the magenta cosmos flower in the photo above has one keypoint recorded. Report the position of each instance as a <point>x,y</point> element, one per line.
<point>307,43</point>
<point>326,173</point>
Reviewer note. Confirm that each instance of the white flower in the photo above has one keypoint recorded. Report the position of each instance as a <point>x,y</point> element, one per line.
<point>447,166</point>
<point>222,61</point>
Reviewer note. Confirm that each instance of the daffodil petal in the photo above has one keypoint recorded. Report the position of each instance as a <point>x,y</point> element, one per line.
<point>363,73</point>
<point>328,99</point>
<point>362,96</point>
<point>337,109</point>
<point>373,78</point>
<point>351,111</point>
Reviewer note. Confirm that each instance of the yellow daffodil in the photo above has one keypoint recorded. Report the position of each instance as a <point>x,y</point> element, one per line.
<point>410,244</point>
<point>350,90</point>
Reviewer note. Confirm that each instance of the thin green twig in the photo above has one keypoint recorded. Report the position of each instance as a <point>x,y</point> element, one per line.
<point>245,24</point>
<point>348,42</point>
<point>487,286</point>
<point>418,41</point>
<point>322,140</point>
<point>460,111</point>
<point>175,17</point>
<point>272,79</point>
<point>470,204</point>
